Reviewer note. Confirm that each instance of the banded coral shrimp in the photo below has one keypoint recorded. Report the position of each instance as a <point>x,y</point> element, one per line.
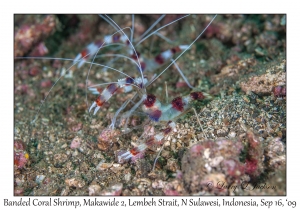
<point>57,126</point>
<point>38,69</point>
<point>159,60</point>
<point>151,106</point>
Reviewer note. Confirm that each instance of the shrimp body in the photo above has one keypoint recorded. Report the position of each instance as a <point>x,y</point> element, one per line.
<point>166,112</point>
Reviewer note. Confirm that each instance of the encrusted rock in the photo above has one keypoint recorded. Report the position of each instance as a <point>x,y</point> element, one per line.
<point>59,159</point>
<point>39,178</point>
<point>113,190</point>
<point>219,157</point>
<point>235,69</point>
<point>172,165</point>
<point>103,166</point>
<point>159,184</point>
<point>276,152</point>
<point>75,182</point>
<point>75,143</point>
<point>94,190</point>
<point>264,84</point>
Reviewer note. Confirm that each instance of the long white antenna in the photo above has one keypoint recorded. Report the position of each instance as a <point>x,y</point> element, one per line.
<point>184,50</point>
<point>160,29</point>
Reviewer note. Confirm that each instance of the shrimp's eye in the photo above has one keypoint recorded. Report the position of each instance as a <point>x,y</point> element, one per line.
<point>129,80</point>
<point>150,100</point>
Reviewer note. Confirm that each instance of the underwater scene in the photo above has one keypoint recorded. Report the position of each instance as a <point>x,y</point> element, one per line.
<point>149,105</point>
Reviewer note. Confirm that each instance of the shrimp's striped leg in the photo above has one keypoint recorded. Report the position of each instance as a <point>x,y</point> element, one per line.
<point>136,152</point>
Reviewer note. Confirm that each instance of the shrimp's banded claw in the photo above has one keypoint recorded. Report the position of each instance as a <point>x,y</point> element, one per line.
<point>87,53</point>
<point>91,50</point>
<point>123,85</point>
<point>104,97</point>
<point>93,106</point>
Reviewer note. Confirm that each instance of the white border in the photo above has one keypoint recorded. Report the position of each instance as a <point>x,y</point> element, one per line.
<point>154,6</point>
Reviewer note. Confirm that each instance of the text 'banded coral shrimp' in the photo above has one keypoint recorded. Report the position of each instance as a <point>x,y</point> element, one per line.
<point>127,71</point>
